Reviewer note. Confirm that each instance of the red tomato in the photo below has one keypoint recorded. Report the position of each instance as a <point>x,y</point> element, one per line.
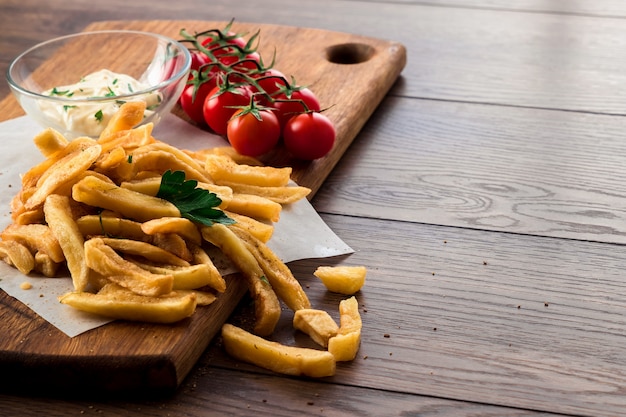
<point>198,59</point>
<point>309,136</point>
<point>252,136</point>
<point>271,81</point>
<point>218,106</point>
<point>192,100</point>
<point>285,110</point>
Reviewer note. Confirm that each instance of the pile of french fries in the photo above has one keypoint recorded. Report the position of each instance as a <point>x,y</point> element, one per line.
<point>90,208</point>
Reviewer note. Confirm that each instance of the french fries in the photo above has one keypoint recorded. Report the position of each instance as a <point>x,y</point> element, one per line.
<point>276,357</point>
<point>95,208</point>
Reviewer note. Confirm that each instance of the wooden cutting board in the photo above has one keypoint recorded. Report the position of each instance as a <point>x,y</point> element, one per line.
<point>350,74</point>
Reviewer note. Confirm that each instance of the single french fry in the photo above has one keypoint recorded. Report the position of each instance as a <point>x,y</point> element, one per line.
<point>254,206</point>
<point>173,243</point>
<point>102,225</point>
<point>185,227</point>
<point>342,279</point>
<point>288,360</point>
<point>95,192</point>
<point>128,116</point>
<point>58,214</point>
<point>45,265</point>
<point>285,285</point>
<point>18,255</point>
<point>318,324</point>
<point>260,230</point>
<point>125,305</point>
<point>266,304</point>
<point>104,260</point>
<point>282,195</point>
<point>223,168</point>
<point>49,141</point>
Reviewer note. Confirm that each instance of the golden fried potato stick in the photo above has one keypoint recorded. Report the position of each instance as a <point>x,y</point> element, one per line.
<point>131,204</point>
<point>173,243</point>
<point>150,186</point>
<point>318,324</point>
<point>281,195</point>
<point>36,237</point>
<point>285,285</point>
<point>45,265</point>
<point>254,206</point>
<point>190,277</point>
<point>266,304</point>
<point>260,230</point>
<point>18,255</point>
<point>288,360</point>
<point>102,225</point>
<point>161,160</point>
<point>119,303</point>
<point>104,260</point>
<point>180,225</point>
<point>345,344</point>
<point>223,168</point>
<point>62,172</point>
<point>49,141</point>
<point>146,250</point>
<point>128,116</point>
<point>58,214</point>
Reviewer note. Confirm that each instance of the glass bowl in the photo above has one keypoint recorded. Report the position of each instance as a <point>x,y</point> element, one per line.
<point>75,83</point>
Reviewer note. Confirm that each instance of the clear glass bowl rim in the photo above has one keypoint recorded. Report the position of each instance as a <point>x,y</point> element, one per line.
<point>172,79</point>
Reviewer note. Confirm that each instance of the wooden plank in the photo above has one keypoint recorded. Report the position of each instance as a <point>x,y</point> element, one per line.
<point>517,170</point>
<point>122,356</point>
<point>495,318</point>
<point>481,55</point>
<point>236,394</point>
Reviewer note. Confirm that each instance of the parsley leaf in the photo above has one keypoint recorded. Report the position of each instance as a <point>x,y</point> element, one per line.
<point>98,115</point>
<point>195,204</point>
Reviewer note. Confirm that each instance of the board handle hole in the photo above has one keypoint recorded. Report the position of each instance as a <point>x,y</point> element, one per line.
<point>349,53</point>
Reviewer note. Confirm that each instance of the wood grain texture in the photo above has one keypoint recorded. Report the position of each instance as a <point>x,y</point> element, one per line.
<point>121,356</point>
<point>543,59</point>
<point>524,171</point>
<point>218,391</point>
<point>497,318</point>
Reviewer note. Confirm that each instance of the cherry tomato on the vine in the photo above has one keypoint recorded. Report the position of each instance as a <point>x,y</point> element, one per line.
<point>220,105</point>
<point>289,106</point>
<point>253,132</point>
<point>192,100</point>
<point>309,136</point>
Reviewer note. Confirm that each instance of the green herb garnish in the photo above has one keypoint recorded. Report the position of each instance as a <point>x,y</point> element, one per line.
<point>98,115</point>
<point>110,93</point>
<point>66,107</point>
<point>56,92</point>
<point>195,204</point>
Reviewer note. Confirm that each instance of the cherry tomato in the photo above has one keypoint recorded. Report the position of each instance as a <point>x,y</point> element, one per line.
<point>198,59</point>
<point>252,136</point>
<point>285,110</point>
<point>309,136</point>
<point>270,81</point>
<point>218,106</point>
<point>192,100</point>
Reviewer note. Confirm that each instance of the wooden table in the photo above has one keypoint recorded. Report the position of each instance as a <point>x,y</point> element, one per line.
<point>487,196</point>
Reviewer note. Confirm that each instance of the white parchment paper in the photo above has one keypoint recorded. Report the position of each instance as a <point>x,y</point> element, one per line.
<point>300,233</point>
